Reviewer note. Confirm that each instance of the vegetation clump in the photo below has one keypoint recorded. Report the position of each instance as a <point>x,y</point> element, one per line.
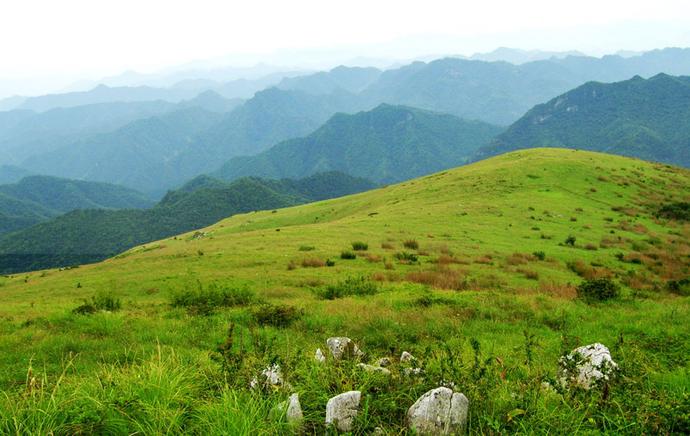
<point>348,255</point>
<point>105,302</point>
<point>205,300</point>
<point>601,289</point>
<point>679,211</point>
<point>279,315</point>
<point>360,246</point>
<point>406,257</point>
<point>411,244</point>
<point>348,287</point>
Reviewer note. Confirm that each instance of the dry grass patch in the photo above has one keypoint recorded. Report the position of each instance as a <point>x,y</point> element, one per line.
<point>312,262</point>
<point>440,278</point>
<point>589,272</point>
<point>560,290</point>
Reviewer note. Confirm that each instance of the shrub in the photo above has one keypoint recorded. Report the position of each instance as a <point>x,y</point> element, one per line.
<point>348,255</point>
<point>539,255</point>
<point>278,315</point>
<point>99,302</point>
<point>330,262</point>
<point>313,262</point>
<point>680,287</point>
<point>204,301</point>
<point>360,246</point>
<point>404,256</point>
<point>570,240</point>
<point>676,211</point>
<point>411,244</point>
<point>598,290</point>
<point>350,286</point>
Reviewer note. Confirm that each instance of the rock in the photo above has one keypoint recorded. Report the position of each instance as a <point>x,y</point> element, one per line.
<point>586,366</point>
<point>270,377</point>
<point>413,372</point>
<point>439,412</point>
<point>342,409</point>
<point>319,356</point>
<point>406,357</point>
<point>294,410</point>
<point>384,362</point>
<point>372,368</point>
<point>343,348</point>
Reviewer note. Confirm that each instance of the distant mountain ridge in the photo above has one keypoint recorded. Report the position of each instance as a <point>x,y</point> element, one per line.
<point>644,118</point>
<point>90,235</point>
<point>387,144</point>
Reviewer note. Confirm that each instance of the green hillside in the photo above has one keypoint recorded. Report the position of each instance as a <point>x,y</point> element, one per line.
<point>387,144</point>
<point>38,198</point>
<point>648,119</point>
<point>85,236</point>
<point>472,270</point>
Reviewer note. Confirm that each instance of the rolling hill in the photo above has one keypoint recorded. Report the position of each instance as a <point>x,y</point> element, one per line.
<point>474,271</point>
<point>38,198</point>
<point>649,119</point>
<point>387,144</point>
<point>84,236</point>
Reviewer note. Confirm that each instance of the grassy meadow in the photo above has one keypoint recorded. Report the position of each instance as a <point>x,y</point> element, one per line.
<point>473,270</point>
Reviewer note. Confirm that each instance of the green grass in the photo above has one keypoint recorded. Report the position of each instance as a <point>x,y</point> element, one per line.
<point>467,309</point>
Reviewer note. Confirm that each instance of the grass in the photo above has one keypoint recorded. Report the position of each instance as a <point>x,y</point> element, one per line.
<point>475,308</point>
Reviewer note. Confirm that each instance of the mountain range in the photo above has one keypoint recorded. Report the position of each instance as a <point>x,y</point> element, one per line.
<point>644,118</point>
<point>89,235</point>
<point>387,144</point>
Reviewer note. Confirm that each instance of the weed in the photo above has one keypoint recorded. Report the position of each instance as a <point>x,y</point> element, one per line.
<point>348,287</point>
<point>360,246</point>
<point>348,255</point>
<point>205,300</point>
<point>100,302</point>
<point>411,244</point>
<point>406,257</point>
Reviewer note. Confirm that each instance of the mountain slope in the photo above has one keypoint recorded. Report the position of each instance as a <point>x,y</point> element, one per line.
<point>38,198</point>
<point>386,144</point>
<point>90,235</point>
<point>649,119</point>
<point>350,79</point>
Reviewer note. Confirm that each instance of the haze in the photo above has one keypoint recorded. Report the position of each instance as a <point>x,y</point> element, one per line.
<point>50,45</point>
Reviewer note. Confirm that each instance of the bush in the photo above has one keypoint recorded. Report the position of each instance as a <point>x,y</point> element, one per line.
<point>278,315</point>
<point>598,290</point>
<point>348,255</point>
<point>404,256</point>
<point>350,286</point>
<point>360,246</point>
<point>679,287</point>
<point>676,211</point>
<point>539,255</point>
<point>570,240</point>
<point>330,262</point>
<point>204,301</point>
<point>411,244</point>
<point>99,302</point>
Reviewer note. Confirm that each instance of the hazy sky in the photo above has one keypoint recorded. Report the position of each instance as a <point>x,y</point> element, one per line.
<point>48,43</point>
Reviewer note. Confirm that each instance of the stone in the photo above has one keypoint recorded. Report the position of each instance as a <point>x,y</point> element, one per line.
<point>439,412</point>
<point>410,372</point>
<point>384,362</point>
<point>294,413</point>
<point>319,356</point>
<point>586,366</point>
<point>406,357</point>
<point>343,348</point>
<point>342,410</point>
<point>376,369</point>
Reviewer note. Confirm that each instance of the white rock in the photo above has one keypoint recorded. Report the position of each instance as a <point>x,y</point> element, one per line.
<point>384,362</point>
<point>319,356</point>
<point>342,409</point>
<point>406,357</point>
<point>413,372</point>
<point>372,368</point>
<point>439,412</point>
<point>587,365</point>
<point>343,348</point>
<point>294,410</point>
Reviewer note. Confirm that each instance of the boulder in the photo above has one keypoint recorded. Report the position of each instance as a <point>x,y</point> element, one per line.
<point>290,409</point>
<point>586,366</point>
<point>406,357</point>
<point>439,412</point>
<point>376,369</point>
<point>384,362</point>
<point>342,410</point>
<point>343,348</point>
<point>319,356</point>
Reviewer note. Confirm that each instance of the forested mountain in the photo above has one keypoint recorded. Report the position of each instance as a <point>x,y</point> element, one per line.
<point>38,198</point>
<point>386,144</point>
<point>12,174</point>
<point>649,119</point>
<point>350,79</point>
<point>90,235</point>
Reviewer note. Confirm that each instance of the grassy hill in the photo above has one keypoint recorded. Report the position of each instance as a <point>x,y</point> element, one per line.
<point>472,270</point>
<point>90,235</point>
<point>387,144</point>
<point>648,119</point>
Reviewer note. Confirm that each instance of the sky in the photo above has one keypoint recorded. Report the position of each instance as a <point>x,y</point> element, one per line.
<point>48,44</point>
